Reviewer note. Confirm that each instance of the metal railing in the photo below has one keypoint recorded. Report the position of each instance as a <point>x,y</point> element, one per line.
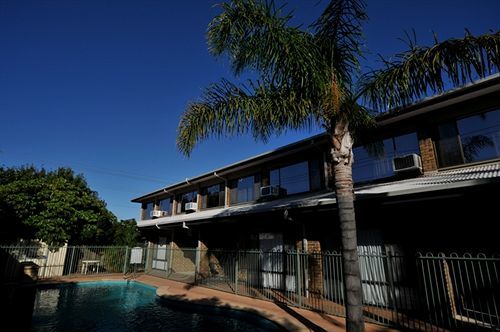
<point>431,292</point>
<point>422,292</point>
<point>460,291</point>
<point>53,262</point>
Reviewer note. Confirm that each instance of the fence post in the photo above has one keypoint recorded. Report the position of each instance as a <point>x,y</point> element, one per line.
<point>236,268</point>
<point>171,258</point>
<point>72,259</point>
<point>197,262</point>
<point>42,274</point>
<point>147,262</point>
<point>391,291</point>
<point>298,273</point>
<point>125,261</point>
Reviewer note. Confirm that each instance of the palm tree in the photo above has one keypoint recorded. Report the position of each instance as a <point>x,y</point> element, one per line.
<point>311,76</point>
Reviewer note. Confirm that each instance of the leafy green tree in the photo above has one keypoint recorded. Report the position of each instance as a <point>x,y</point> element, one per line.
<point>126,233</point>
<point>53,206</point>
<point>311,76</point>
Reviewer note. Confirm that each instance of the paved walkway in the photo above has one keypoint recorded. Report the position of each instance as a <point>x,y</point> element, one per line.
<point>292,319</point>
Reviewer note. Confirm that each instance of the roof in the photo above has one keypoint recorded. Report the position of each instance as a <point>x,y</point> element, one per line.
<point>453,178</point>
<point>293,202</point>
<point>443,180</point>
<point>260,158</point>
<point>472,90</point>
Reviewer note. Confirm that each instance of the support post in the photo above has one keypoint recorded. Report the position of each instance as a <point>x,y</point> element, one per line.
<point>44,273</point>
<point>125,260</point>
<point>197,260</point>
<point>71,261</point>
<point>170,259</point>
<point>148,263</point>
<point>236,272</point>
<point>298,273</point>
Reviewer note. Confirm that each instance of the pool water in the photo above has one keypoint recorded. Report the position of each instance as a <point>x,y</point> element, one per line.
<point>131,306</point>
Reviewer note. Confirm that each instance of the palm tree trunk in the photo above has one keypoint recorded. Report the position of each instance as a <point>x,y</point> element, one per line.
<point>342,169</point>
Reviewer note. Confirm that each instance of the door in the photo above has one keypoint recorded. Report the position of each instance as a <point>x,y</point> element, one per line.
<point>271,245</point>
<point>160,255</point>
<point>372,262</point>
<point>273,273</point>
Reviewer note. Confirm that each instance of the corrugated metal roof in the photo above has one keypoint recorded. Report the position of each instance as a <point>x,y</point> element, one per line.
<point>301,201</point>
<point>448,179</point>
<point>460,177</point>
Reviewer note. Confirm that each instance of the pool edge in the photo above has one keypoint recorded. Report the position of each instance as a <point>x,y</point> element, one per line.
<point>161,292</point>
<point>282,322</point>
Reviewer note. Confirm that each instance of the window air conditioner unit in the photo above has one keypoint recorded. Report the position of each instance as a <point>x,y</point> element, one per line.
<point>408,162</point>
<point>192,206</point>
<point>158,214</point>
<point>270,191</point>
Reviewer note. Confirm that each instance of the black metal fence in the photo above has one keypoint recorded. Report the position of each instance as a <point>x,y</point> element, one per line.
<point>426,292</point>
<point>422,292</point>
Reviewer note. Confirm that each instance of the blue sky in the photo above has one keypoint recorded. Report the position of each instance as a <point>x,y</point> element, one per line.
<point>99,86</point>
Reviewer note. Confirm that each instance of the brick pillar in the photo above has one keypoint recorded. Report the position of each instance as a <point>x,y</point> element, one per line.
<point>315,259</point>
<point>227,194</point>
<point>198,198</point>
<point>175,203</point>
<point>173,248</point>
<point>143,211</point>
<point>427,151</point>
<point>202,261</point>
<point>301,242</point>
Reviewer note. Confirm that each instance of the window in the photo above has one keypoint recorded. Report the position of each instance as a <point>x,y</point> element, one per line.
<point>190,197</point>
<point>213,196</point>
<point>297,178</point>
<point>245,189</point>
<point>406,144</point>
<point>315,176</point>
<point>448,145</point>
<point>374,161</point>
<point>480,136</point>
<point>148,207</point>
<point>166,205</point>
<point>471,139</point>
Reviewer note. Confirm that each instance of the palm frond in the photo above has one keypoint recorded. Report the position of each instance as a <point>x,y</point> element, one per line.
<point>423,70</point>
<point>256,35</point>
<point>228,110</point>
<point>339,31</point>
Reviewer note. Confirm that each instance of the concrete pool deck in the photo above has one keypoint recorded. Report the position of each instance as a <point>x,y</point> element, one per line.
<point>290,318</point>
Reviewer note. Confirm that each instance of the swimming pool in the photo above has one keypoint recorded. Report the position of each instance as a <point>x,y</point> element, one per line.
<point>131,306</point>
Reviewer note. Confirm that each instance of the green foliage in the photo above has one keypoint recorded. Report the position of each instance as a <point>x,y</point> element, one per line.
<point>312,76</point>
<point>308,76</point>
<point>126,233</point>
<point>53,206</point>
<point>114,259</point>
<point>229,110</point>
<point>339,34</point>
<point>421,69</point>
